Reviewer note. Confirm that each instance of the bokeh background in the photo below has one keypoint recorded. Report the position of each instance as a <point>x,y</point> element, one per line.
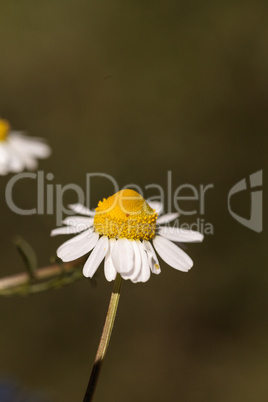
<point>136,89</point>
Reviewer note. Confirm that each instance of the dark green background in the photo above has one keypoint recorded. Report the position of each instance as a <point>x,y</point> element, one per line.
<point>135,89</point>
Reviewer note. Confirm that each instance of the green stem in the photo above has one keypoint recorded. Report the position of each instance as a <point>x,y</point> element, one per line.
<point>10,284</point>
<point>105,339</point>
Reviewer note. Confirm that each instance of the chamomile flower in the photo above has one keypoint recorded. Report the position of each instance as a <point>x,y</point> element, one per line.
<point>18,151</point>
<point>125,231</point>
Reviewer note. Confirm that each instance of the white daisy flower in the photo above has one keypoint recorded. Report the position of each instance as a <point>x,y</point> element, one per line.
<point>18,151</point>
<point>125,231</point>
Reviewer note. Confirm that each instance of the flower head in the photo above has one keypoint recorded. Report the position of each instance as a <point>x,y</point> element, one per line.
<point>4,129</point>
<point>125,215</point>
<point>18,151</point>
<point>121,231</point>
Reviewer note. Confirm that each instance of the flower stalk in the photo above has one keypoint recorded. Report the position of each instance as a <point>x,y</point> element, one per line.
<point>105,339</point>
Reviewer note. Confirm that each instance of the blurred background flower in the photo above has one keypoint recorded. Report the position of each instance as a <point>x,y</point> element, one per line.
<point>18,151</point>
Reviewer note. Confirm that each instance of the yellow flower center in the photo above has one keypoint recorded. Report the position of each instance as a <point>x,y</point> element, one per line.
<point>4,129</point>
<point>125,214</point>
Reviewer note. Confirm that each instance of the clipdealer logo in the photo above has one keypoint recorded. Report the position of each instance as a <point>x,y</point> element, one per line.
<point>254,188</point>
<point>186,199</point>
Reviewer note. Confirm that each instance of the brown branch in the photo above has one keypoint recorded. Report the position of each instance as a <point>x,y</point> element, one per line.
<point>48,272</point>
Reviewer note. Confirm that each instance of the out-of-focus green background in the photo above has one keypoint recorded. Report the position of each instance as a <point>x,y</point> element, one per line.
<point>136,89</point>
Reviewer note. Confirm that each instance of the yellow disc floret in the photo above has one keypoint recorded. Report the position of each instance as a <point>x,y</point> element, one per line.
<point>125,214</point>
<point>4,129</point>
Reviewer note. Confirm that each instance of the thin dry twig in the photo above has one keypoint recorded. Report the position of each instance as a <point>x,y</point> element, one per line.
<point>41,274</point>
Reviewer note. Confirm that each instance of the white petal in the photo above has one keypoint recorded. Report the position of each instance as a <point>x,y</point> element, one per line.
<point>145,272</point>
<point>81,245</point>
<point>81,209</point>
<point>134,273</point>
<point>137,262</point>
<point>180,235</point>
<point>3,169</point>
<point>153,260</point>
<point>80,222</point>
<point>12,159</point>
<point>123,256</point>
<point>167,218</point>
<point>156,205</point>
<point>109,269</point>
<point>20,135</point>
<point>16,163</point>
<point>172,254</point>
<point>32,146</point>
<point>96,257</point>
<point>19,159</point>
<point>87,234</point>
<point>67,230</point>
<point>30,162</point>
<point>4,154</point>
